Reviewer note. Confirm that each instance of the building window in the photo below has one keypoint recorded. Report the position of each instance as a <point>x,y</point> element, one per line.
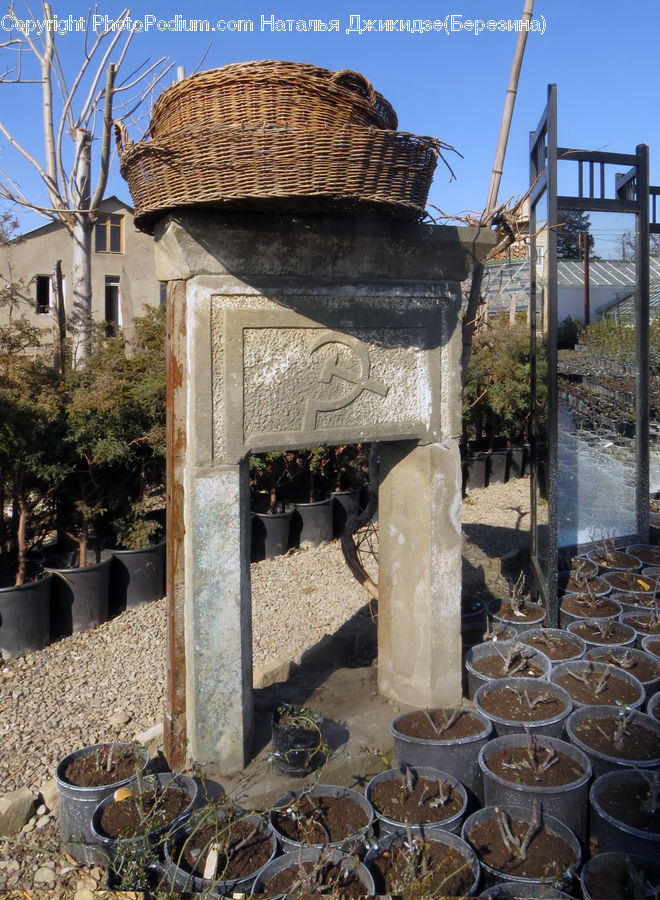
<point>42,295</point>
<point>112,310</point>
<point>109,234</point>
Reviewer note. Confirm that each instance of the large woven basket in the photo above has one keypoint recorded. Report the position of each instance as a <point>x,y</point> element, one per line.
<point>350,171</point>
<point>270,92</point>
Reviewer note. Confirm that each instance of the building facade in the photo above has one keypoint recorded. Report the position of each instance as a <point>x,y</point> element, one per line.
<point>123,279</point>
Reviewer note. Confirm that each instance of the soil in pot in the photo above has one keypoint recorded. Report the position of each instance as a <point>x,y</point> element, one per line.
<point>642,665</point>
<point>504,659</point>
<point>519,845</point>
<point>221,849</point>
<point>142,812</point>
<point>517,612</point>
<point>312,873</point>
<point>443,724</point>
<point>620,876</point>
<point>416,797</point>
<point>106,764</point>
<point>578,565</point>
<point>577,583</point>
<point>611,559</point>
<point>586,606</point>
<point>647,554</point>
<point>618,734</point>
<point>536,763</point>
<point>631,582</point>
<point>643,623</point>
<point>423,867</point>
<point>596,684</point>
<point>557,644</point>
<point>516,701</point>
<point>318,817</point>
<point>603,632</point>
<point>635,803</point>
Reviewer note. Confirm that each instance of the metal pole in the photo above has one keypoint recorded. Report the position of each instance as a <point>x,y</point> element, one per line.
<point>587,314</point>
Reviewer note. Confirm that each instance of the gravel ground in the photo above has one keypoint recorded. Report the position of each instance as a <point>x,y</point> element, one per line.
<point>84,688</point>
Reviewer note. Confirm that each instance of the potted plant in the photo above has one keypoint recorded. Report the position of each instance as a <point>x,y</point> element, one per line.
<point>29,431</point>
<point>609,558</point>
<point>447,738</point>
<point>521,769</point>
<point>297,740</point>
<point>314,870</point>
<point>615,737</point>
<point>644,666</point>
<point>132,824</point>
<point>349,472</point>
<point>220,850</point>
<point>587,605</point>
<point>321,815</point>
<point>619,875</point>
<point>137,573</point>
<point>625,807</point>
<point>506,841</point>
<point>558,644</point>
<point>428,863</point>
<point>603,633</point>
<point>84,778</point>
<point>503,659</point>
<point>271,516</point>
<point>509,702</point>
<point>517,610</point>
<point>413,797</point>
<point>595,683</point>
<point>312,521</point>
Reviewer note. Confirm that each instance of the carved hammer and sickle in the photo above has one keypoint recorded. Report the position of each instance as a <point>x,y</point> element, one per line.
<point>331,368</point>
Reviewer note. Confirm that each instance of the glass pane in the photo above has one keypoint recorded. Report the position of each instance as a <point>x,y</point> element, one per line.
<point>596,362</point>
<point>101,236</point>
<point>115,234</point>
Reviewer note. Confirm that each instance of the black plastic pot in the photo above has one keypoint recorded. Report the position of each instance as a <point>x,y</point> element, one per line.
<point>614,832</point>
<point>80,595</point>
<point>77,805</point>
<point>617,870</point>
<point>345,504</point>
<point>270,533</point>
<point>295,748</point>
<point>136,576</point>
<point>474,472</point>
<point>312,524</point>
<point>25,617</point>
<point>497,467</point>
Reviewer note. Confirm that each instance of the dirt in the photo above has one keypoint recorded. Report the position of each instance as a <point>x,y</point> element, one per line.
<point>599,688</point>
<point>603,734</point>
<point>495,667</point>
<point>522,706</point>
<point>629,803</point>
<point>322,878</point>
<point>416,724</point>
<point>143,813</point>
<point>644,670</point>
<point>527,612</point>
<point>109,765</point>
<point>427,801</point>
<point>616,878</point>
<point>612,633</point>
<point>579,584</point>
<point>548,856</point>
<point>586,607</point>
<point>320,819</point>
<point>428,868</point>
<point>647,624</point>
<point>243,849</point>
<point>555,648</point>
<point>629,581</point>
<point>522,765</point>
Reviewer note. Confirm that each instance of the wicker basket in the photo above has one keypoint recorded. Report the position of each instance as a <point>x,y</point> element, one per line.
<point>349,171</point>
<point>267,93</point>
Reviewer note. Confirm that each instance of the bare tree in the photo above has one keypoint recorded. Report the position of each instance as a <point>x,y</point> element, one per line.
<point>74,116</point>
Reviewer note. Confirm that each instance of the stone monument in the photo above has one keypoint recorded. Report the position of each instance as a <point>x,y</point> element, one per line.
<point>290,332</point>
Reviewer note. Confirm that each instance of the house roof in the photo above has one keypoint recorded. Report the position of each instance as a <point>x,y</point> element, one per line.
<point>108,203</point>
<point>506,281</point>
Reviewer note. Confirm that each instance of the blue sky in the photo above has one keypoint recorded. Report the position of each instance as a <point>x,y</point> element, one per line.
<point>602,54</point>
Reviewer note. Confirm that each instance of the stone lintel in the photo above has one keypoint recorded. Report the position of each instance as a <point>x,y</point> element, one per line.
<point>419,607</point>
<point>253,246</point>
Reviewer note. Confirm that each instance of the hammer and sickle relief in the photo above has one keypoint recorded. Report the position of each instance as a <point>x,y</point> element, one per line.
<point>359,382</point>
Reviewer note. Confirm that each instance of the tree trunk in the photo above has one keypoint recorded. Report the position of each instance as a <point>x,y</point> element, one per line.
<point>58,318</point>
<point>82,250</point>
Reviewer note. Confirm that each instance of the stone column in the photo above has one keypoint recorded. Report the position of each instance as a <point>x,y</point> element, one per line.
<point>419,606</point>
